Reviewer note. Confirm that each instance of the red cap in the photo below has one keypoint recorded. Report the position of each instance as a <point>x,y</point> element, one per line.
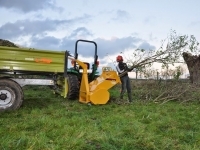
<point>119,58</point>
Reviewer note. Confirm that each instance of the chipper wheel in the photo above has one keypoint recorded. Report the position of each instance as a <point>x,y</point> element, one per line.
<point>11,95</point>
<point>73,87</point>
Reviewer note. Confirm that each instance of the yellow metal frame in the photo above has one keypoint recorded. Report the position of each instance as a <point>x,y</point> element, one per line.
<point>96,92</point>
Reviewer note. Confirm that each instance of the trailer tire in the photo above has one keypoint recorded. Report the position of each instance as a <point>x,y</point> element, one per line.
<point>11,95</point>
<point>73,86</point>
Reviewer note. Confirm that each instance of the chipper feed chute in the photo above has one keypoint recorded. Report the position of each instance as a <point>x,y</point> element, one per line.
<point>99,87</point>
<point>96,92</point>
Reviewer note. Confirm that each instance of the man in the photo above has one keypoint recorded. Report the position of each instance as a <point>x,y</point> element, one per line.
<point>123,70</point>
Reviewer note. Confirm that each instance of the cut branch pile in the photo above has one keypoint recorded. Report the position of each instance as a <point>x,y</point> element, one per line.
<point>166,91</point>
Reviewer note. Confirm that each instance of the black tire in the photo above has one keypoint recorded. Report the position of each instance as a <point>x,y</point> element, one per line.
<point>11,95</point>
<point>73,87</point>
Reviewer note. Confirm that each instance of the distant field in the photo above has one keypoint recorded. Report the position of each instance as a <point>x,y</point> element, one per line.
<point>49,122</point>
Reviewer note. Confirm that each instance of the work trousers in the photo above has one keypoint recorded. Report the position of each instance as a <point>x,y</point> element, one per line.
<point>126,85</point>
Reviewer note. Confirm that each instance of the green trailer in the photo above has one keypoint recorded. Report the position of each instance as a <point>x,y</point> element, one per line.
<point>26,66</point>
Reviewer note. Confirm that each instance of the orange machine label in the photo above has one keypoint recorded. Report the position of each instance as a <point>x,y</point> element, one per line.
<point>43,60</point>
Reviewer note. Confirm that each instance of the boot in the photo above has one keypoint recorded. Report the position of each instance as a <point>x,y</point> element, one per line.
<point>130,97</point>
<point>121,96</point>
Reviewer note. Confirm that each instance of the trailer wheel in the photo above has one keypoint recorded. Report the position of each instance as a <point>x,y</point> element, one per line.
<point>73,87</point>
<point>11,95</point>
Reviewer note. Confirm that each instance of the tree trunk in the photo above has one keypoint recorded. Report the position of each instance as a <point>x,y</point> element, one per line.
<point>193,64</point>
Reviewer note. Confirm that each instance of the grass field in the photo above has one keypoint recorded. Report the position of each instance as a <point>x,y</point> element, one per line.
<point>49,122</point>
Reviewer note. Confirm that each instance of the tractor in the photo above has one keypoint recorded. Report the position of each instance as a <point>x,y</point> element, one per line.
<point>74,73</point>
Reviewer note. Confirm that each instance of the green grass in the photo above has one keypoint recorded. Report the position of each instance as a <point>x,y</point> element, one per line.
<point>49,122</point>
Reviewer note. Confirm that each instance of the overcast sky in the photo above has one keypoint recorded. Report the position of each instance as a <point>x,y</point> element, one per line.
<point>115,25</point>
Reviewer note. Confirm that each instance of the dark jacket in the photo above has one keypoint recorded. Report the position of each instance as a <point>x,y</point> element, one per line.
<point>122,67</point>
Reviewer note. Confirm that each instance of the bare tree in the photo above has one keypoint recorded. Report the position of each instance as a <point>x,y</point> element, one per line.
<point>170,52</point>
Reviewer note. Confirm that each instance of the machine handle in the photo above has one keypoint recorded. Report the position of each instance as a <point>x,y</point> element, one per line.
<point>76,46</point>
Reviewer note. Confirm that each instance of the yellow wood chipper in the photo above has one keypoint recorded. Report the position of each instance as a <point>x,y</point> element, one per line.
<point>50,68</point>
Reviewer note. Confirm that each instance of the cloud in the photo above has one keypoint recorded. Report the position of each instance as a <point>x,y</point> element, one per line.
<point>121,15</point>
<point>81,32</point>
<point>26,27</point>
<point>116,45</point>
<point>46,42</point>
<point>149,20</point>
<point>145,45</point>
<point>104,47</point>
<point>27,5</point>
<point>33,27</point>
<point>194,24</point>
<point>151,37</point>
<point>68,44</point>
